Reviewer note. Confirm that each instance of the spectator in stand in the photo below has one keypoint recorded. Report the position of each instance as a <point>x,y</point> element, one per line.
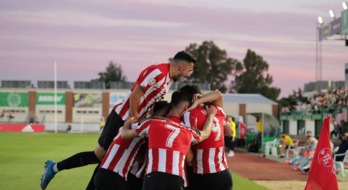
<point>304,169</point>
<point>286,142</point>
<point>286,110</point>
<point>306,153</point>
<point>10,116</point>
<point>309,133</point>
<point>342,148</point>
<point>2,114</point>
<point>307,156</point>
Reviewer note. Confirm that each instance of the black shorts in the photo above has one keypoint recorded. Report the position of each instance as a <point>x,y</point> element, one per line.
<point>134,183</point>
<point>112,125</point>
<point>108,180</point>
<point>289,147</point>
<point>217,181</point>
<point>160,181</point>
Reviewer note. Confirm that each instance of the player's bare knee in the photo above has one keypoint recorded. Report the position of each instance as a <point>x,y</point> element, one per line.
<point>99,152</point>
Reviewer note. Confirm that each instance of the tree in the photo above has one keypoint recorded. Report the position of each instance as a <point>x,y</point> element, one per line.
<point>113,72</point>
<point>213,65</point>
<point>293,99</point>
<point>254,78</point>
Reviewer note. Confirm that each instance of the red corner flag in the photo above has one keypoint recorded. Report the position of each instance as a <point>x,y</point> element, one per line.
<point>322,175</point>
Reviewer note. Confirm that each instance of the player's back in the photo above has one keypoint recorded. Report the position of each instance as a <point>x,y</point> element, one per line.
<point>168,143</point>
<point>196,119</point>
<point>155,81</point>
<point>209,154</point>
<point>120,155</point>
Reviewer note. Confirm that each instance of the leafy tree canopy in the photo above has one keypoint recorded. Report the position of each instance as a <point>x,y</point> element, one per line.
<point>113,72</point>
<point>213,65</point>
<point>255,77</point>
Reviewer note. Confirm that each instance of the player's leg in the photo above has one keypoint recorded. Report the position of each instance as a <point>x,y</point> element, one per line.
<point>218,181</point>
<point>175,182</point>
<point>224,180</point>
<point>133,182</point>
<point>108,180</point>
<point>160,181</point>
<point>84,158</point>
<point>112,125</point>
<point>90,185</point>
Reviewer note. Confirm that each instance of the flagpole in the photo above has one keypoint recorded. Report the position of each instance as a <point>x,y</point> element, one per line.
<point>55,98</point>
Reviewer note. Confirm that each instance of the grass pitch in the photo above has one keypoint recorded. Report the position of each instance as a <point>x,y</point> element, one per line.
<point>22,158</point>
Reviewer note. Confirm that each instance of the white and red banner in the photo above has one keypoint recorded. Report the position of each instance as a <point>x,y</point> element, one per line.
<point>322,175</point>
<point>242,130</point>
<point>22,128</point>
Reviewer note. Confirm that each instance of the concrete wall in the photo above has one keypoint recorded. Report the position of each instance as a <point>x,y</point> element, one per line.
<point>310,125</point>
<point>47,113</point>
<point>70,114</point>
<point>266,108</point>
<point>292,127</point>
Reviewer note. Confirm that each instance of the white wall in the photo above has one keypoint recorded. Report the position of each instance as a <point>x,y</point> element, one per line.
<point>20,114</point>
<point>231,109</point>
<point>292,127</point>
<point>47,114</point>
<point>310,125</point>
<point>265,108</point>
<point>87,115</point>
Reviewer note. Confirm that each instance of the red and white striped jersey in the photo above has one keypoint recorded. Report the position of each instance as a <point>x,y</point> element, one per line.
<point>138,167</point>
<point>209,154</point>
<point>120,155</point>
<point>156,83</point>
<point>168,143</point>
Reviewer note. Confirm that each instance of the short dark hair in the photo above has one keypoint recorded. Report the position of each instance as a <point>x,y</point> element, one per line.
<point>159,105</point>
<point>178,97</point>
<point>191,90</point>
<point>184,56</point>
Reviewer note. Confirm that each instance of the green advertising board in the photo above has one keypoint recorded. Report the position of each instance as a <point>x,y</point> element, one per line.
<point>14,99</point>
<point>48,98</point>
<point>344,22</point>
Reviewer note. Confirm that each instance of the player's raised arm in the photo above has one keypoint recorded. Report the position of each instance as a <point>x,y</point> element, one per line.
<point>134,101</point>
<point>211,110</point>
<point>212,97</point>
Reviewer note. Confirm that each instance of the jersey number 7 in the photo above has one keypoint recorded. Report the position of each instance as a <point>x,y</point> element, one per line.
<point>172,136</point>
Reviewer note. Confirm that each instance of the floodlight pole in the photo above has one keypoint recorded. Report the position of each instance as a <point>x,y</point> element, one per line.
<point>318,53</point>
<point>55,98</point>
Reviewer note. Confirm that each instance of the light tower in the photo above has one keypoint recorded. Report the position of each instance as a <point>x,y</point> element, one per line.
<point>318,51</point>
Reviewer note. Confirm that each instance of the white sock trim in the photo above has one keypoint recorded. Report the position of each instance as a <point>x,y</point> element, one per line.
<point>55,169</point>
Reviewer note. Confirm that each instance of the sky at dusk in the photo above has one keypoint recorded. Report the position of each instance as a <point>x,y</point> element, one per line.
<point>84,36</point>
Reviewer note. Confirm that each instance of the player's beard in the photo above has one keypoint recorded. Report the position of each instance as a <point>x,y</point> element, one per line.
<point>176,78</point>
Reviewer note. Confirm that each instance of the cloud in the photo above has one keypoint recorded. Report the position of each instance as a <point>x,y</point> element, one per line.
<point>79,19</point>
<point>84,37</point>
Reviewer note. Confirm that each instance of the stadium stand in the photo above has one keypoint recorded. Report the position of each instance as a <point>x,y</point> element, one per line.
<point>50,84</point>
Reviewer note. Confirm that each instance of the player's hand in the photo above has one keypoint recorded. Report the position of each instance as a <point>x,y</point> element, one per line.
<point>196,97</point>
<point>211,110</point>
<point>196,130</point>
<point>193,106</point>
<point>129,122</point>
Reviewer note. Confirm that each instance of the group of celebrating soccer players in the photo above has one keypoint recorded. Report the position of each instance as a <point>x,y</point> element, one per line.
<point>180,145</point>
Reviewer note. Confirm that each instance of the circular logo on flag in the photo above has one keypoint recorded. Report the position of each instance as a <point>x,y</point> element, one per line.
<point>324,157</point>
